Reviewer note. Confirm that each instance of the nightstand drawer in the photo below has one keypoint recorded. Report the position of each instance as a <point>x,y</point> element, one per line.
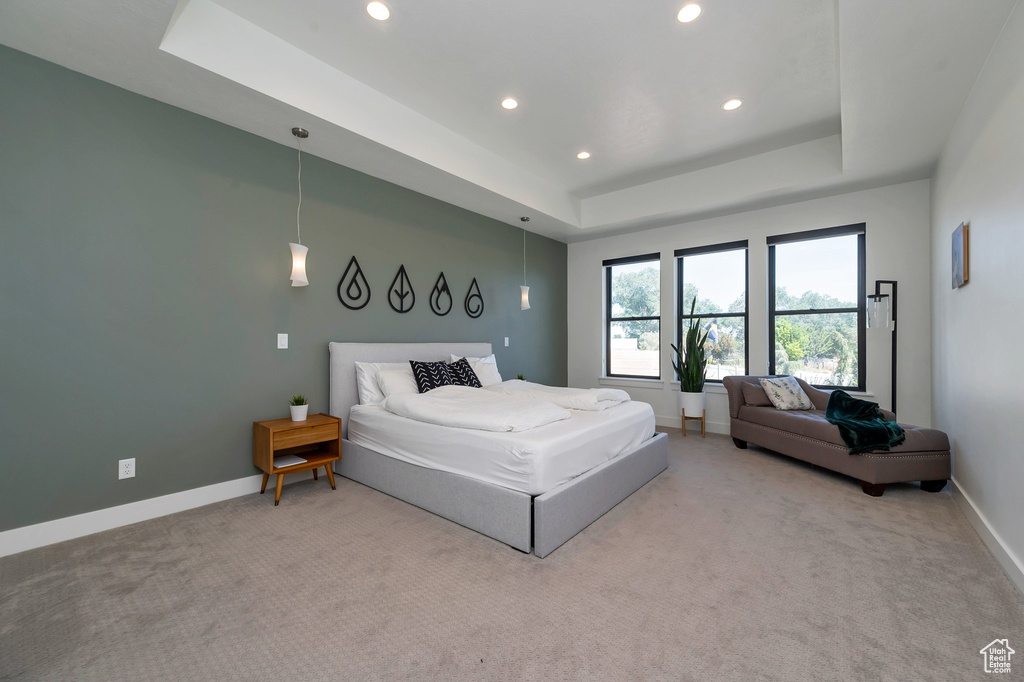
<point>304,436</point>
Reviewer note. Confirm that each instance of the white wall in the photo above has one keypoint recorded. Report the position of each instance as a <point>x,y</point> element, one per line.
<point>897,244</point>
<point>979,378</point>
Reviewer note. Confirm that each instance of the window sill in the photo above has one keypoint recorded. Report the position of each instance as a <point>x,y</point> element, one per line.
<point>658,384</point>
<point>720,388</point>
<point>862,396</point>
<point>708,388</point>
<point>631,383</point>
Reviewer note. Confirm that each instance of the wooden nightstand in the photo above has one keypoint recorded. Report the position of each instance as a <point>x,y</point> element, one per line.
<point>316,440</point>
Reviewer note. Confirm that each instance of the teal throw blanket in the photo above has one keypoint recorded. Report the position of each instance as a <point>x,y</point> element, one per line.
<point>861,424</point>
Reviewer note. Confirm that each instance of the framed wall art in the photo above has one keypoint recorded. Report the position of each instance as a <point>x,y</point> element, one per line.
<point>961,255</point>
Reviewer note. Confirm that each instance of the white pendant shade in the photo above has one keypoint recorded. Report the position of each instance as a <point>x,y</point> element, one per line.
<point>299,265</point>
<point>524,291</point>
<point>878,312</point>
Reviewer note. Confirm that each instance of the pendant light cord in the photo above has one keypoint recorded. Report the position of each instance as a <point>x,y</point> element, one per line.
<point>298,210</point>
<point>524,258</point>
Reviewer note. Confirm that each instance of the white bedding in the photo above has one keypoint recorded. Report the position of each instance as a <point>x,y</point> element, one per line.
<point>532,462</point>
<point>472,408</point>
<point>569,398</point>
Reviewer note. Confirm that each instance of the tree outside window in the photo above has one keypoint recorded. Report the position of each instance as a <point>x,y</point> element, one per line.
<point>816,312</point>
<point>633,333</point>
<point>717,277</point>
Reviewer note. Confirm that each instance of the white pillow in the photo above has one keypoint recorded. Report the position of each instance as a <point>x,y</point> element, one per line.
<point>397,381</point>
<point>486,369</point>
<point>366,380</point>
<point>786,393</point>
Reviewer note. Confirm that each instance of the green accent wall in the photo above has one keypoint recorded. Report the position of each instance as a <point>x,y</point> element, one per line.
<point>144,277</point>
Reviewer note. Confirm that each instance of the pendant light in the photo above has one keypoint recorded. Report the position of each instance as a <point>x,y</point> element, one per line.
<point>299,251</point>
<point>524,291</point>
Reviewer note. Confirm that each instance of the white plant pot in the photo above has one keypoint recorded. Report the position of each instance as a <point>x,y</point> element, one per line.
<point>692,404</point>
<point>299,412</point>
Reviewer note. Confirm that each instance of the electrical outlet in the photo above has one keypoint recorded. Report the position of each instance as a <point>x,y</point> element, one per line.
<point>126,468</point>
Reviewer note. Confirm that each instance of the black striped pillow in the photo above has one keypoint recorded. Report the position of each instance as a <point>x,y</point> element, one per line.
<point>462,374</point>
<point>430,375</point>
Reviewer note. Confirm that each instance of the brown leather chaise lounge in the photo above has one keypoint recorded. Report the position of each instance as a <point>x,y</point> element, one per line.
<point>807,435</point>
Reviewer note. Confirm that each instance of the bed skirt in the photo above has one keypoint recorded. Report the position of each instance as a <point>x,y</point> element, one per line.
<point>542,523</point>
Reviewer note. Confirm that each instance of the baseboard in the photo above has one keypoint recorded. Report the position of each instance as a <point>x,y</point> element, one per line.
<point>673,422</point>
<point>41,534</point>
<point>1010,562</point>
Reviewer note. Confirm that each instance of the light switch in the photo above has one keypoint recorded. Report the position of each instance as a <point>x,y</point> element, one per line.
<point>282,340</point>
<point>506,342</point>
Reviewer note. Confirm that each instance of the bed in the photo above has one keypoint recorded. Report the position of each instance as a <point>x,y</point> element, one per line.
<point>532,490</point>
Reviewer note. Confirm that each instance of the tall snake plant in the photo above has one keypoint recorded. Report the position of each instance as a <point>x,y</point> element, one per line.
<point>691,363</point>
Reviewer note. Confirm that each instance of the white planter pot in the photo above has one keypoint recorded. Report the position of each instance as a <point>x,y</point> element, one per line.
<point>692,404</point>
<point>299,412</point>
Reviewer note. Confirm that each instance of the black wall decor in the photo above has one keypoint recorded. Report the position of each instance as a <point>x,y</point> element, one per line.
<point>353,289</point>
<point>474,301</point>
<point>441,297</point>
<point>401,297</point>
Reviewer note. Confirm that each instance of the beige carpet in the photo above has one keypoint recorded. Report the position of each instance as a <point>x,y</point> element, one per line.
<point>731,565</point>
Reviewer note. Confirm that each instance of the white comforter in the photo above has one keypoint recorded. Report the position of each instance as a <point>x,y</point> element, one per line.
<point>472,408</point>
<point>589,399</point>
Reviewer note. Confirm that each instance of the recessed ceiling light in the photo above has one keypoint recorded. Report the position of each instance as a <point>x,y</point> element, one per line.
<point>583,156</point>
<point>732,104</point>
<point>378,10</point>
<point>509,103</point>
<point>689,12</point>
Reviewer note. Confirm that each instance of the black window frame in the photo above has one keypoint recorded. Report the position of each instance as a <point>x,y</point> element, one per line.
<point>608,319</point>
<point>858,229</point>
<point>683,313</point>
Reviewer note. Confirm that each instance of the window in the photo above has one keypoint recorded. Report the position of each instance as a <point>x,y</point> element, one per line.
<point>716,276</point>
<point>816,306</point>
<point>633,316</point>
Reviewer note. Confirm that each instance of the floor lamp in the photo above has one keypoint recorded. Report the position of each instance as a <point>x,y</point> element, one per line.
<point>880,313</point>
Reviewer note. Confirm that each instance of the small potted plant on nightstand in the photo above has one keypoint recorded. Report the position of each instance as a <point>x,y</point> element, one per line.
<point>299,408</point>
<point>690,365</point>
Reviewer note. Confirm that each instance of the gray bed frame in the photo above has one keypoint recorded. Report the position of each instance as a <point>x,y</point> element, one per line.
<point>541,522</point>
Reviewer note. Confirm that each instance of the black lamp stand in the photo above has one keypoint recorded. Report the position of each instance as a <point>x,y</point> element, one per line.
<point>877,296</point>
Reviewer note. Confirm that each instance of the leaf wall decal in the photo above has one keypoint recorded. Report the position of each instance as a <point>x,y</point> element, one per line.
<point>401,296</point>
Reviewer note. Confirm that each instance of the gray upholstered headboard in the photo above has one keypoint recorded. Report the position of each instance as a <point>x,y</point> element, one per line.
<point>344,357</point>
